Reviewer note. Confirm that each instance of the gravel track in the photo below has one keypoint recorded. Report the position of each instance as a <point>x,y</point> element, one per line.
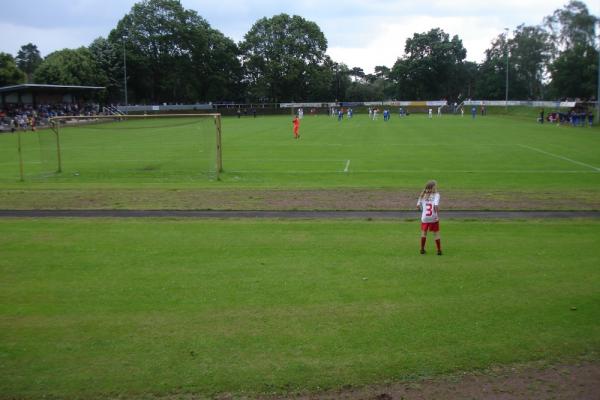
<point>237,214</point>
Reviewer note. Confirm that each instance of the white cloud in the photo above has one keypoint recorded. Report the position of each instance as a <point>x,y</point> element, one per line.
<point>360,33</point>
<point>388,37</point>
<point>46,39</point>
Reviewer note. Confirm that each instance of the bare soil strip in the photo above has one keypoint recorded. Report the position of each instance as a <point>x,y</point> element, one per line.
<point>289,199</point>
<point>289,214</point>
<point>579,381</point>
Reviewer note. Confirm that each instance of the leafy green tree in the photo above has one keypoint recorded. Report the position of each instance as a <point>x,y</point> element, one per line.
<point>107,59</point>
<point>70,67</point>
<point>491,76</point>
<point>529,53</point>
<point>428,68</point>
<point>465,81</point>
<point>28,59</point>
<point>10,74</point>
<point>224,69</point>
<point>572,26</point>
<point>341,81</point>
<point>174,55</point>
<point>321,83</point>
<point>382,72</point>
<point>574,64</point>
<point>575,72</point>
<point>382,78</point>
<point>358,73</point>
<point>281,56</point>
<point>366,91</point>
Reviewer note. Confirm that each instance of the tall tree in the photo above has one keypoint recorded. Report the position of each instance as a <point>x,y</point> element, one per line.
<point>28,59</point>
<point>70,67</point>
<point>575,73</point>
<point>529,53</point>
<point>281,56</point>
<point>366,91</point>
<point>572,26</point>
<point>382,80</point>
<point>358,73</point>
<point>428,67</point>
<point>491,82</point>
<point>341,81</point>
<point>174,55</point>
<point>382,72</point>
<point>107,59</point>
<point>10,74</point>
<point>322,81</point>
<point>574,63</point>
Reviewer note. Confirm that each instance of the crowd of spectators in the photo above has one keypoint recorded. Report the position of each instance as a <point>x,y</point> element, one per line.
<point>26,116</point>
<point>574,118</point>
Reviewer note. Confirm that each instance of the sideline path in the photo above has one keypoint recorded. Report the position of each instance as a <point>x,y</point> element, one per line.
<point>290,214</point>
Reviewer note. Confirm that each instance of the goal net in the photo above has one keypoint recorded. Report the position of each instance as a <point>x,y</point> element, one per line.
<point>130,148</point>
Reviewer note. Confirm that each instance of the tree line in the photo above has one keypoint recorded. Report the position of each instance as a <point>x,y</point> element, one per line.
<point>172,54</point>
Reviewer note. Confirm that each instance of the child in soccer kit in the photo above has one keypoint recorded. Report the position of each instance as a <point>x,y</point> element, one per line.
<point>428,203</point>
<point>296,123</point>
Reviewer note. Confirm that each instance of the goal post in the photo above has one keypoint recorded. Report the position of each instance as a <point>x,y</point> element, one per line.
<point>164,147</point>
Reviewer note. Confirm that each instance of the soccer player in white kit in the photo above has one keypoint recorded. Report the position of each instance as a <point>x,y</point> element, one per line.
<point>428,203</point>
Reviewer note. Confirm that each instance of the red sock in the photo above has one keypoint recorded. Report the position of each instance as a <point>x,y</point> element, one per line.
<point>438,244</point>
<point>423,239</point>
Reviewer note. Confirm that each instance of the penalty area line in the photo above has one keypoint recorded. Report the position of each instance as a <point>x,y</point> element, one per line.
<point>347,166</point>
<point>560,157</point>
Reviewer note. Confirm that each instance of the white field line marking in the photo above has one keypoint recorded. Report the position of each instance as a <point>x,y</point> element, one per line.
<point>110,161</point>
<point>382,145</point>
<point>347,165</point>
<point>407,171</point>
<point>329,160</point>
<point>561,157</point>
<point>300,160</point>
<point>16,161</point>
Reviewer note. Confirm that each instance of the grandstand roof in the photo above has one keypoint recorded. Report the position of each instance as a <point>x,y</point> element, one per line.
<point>40,87</point>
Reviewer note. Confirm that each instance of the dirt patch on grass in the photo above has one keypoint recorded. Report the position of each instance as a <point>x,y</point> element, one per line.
<point>300,199</point>
<point>568,381</point>
<point>579,381</point>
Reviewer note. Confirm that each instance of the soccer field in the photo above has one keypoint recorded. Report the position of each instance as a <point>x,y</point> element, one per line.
<point>113,308</point>
<point>102,308</point>
<point>486,153</point>
<point>483,154</point>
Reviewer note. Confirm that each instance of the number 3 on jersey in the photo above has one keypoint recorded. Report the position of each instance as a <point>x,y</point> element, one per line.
<point>428,209</point>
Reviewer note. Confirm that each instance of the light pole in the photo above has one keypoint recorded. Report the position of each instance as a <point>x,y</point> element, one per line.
<point>598,94</point>
<point>337,78</point>
<point>506,86</point>
<point>125,70</point>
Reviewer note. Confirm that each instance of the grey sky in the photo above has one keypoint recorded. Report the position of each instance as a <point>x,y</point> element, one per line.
<point>360,33</point>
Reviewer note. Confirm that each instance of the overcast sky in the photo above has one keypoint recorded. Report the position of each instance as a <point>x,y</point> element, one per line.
<point>360,33</point>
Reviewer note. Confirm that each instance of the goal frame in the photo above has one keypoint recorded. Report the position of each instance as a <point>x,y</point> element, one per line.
<point>55,126</point>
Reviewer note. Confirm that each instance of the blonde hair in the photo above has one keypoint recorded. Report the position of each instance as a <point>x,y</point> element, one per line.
<point>430,189</point>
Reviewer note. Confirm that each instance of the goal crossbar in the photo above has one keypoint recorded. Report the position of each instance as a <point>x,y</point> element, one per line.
<point>55,125</point>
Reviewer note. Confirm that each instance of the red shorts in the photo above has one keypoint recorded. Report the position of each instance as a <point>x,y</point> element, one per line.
<point>430,226</point>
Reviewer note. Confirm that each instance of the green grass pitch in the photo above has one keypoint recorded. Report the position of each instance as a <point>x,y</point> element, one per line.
<point>101,308</point>
<point>490,153</point>
<point>105,307</point>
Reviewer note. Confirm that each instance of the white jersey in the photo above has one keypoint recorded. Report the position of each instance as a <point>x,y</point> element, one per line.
<point>428,208</point>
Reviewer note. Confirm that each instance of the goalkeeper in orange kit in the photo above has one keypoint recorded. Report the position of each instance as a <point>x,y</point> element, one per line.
<point>296,123</point>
